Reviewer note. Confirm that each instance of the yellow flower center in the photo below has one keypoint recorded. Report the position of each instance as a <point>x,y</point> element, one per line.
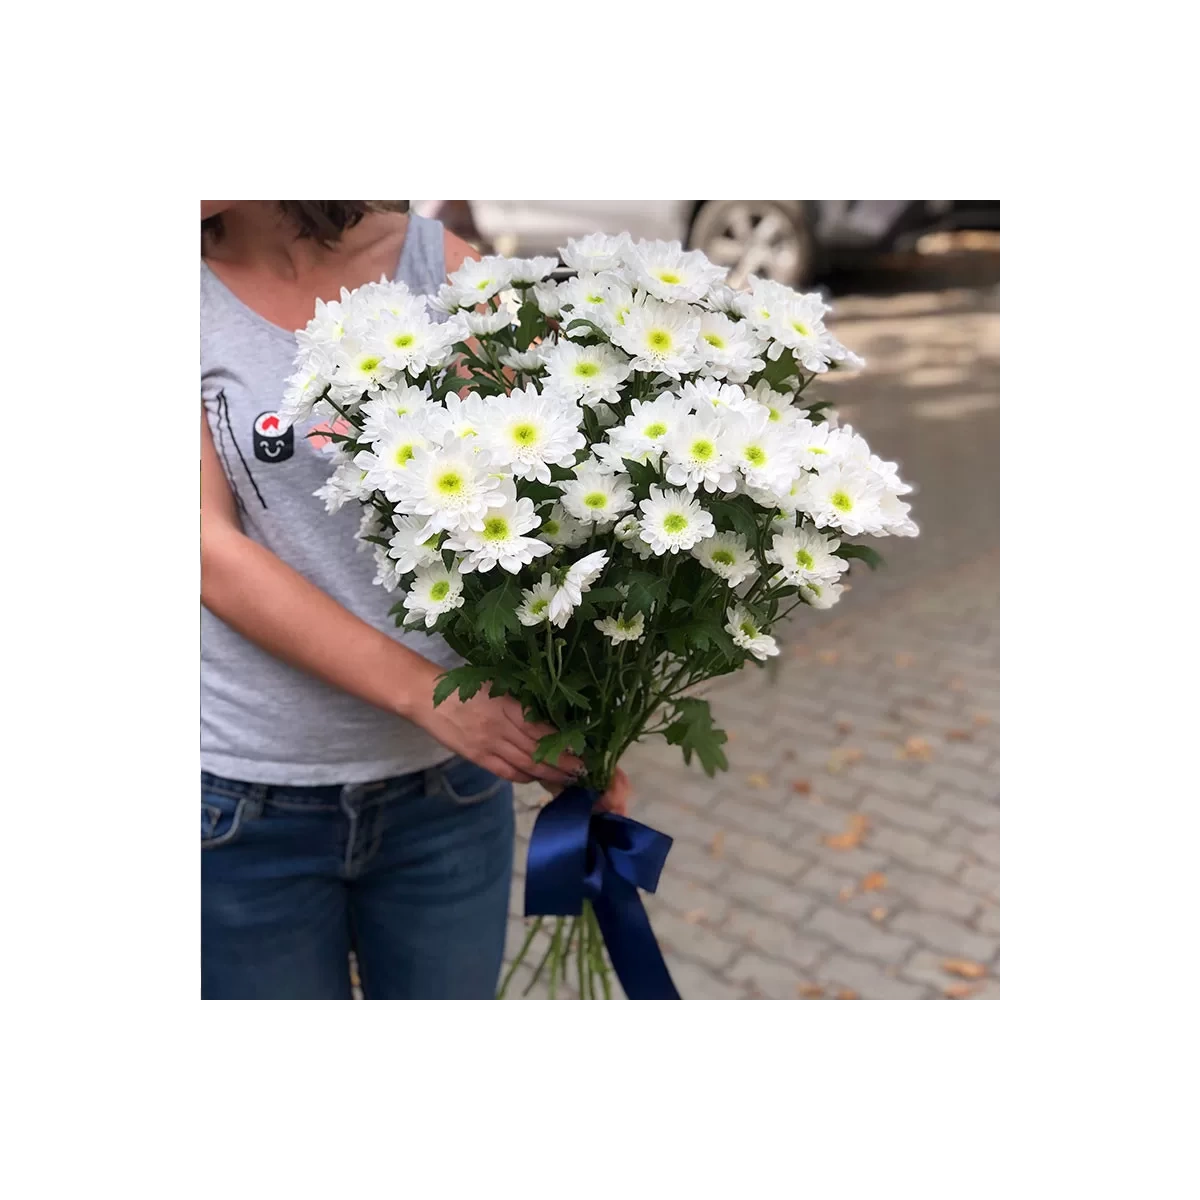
<point>655,430</point>
<point>524,433</point>
<point>675,523</point>
<point>749,629</point>
<point>775,415</point>
<point>801,329</point>
<point>539,606</point>
<point>595,500</point>
<point>669,277</point>
<point>755,455</point>
<point>715,339</point>
<point>587,369</point>
<point>449,483</point>
<point>817,450</point>
<point>495,529</point>
<point>551,528</point>
<point>841,501</point>
<point>366,365</point>
<point>703,450</point>
<point>724,557</point>
<point>403,454</point>
<point>595,298</point>
<point>804,559</point>
<point>440,590</point>
<point>482,285</point>
<point>403,340</point>
<point>659,339</point>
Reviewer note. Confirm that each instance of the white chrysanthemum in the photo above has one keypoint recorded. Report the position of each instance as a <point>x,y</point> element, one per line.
<point>370,525</point>
<point>894,518</point>
<point>434,591</point>
<point>387,462</point>
<point>727,555</point>
<point>846,496</point>
<point>804,556</point>
<point>627,529</point>
<point>673,521</point>
<point>464,415</point>
<point>766,298</point>
<point>731,349</point>
<point>841,357</point>
<point>779,405</point>
<point>585,373</point>
<point>723,299</point>
<point>529,361</point>
<point>746,633</point>
<point>668,272</point>
<point>697,453</point>
<point>596,495</point>
<point>798,324</point>
<point>527,271</point>
<point>547,299</point>
<point>661,337</point>
<point>644,432</point>
<point>381,414</point>
<point>534,608</point>
<point>358,368</point>
<point>501,540</point>
<point>527,430</point>
<point>314,370</point>
<point>348,482</point>
<point>387,570</point>
<point>409,547</point>
<point>561,529</point>
<point>621,629</point>
<point>452,486</point>
<point>410,340</point>
<point>596,252</point>
<point>710,395</point>
<point>485,323</point>
<point>762,452</point>
<point>786,503</point>
<point>823,594</point>
<point>578,579</point>
<point>480,279</point>
<point>818,447</point>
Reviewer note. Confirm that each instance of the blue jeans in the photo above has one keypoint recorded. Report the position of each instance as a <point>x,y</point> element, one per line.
<point>410,873</point>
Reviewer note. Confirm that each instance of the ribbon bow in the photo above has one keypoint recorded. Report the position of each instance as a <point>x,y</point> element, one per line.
<point>577,854</point>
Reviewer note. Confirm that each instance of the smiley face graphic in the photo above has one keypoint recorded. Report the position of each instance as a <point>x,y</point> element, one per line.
<point>272,443</point>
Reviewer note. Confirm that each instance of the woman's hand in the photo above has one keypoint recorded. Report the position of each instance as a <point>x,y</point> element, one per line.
<point>493,732</point>
<point>616,799</point>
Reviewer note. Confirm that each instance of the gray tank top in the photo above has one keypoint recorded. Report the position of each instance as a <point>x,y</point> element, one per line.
<point>261,720</point>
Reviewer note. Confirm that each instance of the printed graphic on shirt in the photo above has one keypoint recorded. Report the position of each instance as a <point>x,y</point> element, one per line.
<point>271,444</point>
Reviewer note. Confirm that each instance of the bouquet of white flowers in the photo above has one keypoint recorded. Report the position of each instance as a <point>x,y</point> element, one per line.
<point>601,493</point>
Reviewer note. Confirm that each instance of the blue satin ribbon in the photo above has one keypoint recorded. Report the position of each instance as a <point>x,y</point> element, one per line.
<point>577,854</point>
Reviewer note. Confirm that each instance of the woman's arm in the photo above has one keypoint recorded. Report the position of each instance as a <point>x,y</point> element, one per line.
<point>275,607</point>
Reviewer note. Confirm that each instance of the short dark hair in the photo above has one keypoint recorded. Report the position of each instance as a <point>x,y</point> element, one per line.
<point>322,220</point>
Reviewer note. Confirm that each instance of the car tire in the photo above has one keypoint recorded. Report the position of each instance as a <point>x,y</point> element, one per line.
<point>768,238</point>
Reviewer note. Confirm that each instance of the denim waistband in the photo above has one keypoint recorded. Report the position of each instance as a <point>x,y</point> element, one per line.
<point>322,794</point>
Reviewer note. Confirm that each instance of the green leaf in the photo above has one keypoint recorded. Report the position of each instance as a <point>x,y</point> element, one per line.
<point>583,321</point>
<point>530,323</point>
<point>871,557</point>
<point>694,733</point>
<point>553,744</point>
<point>465,680</point>
<point>573,695</point>
<point>641,474</point>
<point>538,492</point>
<point>734,516</point>
<point>496,612</point>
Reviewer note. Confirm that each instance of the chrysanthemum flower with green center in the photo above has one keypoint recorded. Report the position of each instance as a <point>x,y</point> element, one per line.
<point>805,556</point>
<point>747,633</point>
<point>672,521</point>
<point>727,556</point>
<point>622,629</point>
<point>596,495</point>
<point>501,540</point>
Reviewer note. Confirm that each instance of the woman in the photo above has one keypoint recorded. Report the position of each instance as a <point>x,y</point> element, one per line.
<point>339,809</point>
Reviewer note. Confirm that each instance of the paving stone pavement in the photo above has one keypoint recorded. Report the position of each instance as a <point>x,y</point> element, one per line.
<point>852,849</point>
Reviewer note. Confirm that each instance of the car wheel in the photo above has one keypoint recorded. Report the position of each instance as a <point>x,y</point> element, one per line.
<point>767,238</point>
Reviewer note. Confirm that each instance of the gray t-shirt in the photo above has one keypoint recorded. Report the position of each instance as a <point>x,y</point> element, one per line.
<point>261,720</point>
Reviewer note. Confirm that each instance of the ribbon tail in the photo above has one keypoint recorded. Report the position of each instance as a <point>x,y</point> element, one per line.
<point>631,943</point>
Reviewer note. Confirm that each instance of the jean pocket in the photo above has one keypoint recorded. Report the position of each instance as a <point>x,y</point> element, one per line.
<point>221,818</point>
<point>466,783</point>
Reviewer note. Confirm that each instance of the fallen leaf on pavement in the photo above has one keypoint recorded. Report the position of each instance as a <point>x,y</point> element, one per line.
<point>828,657</point>
<point>809,991</point>
<point>845,727</point>
<point>917,749</point>
<point>904,660</point>
<point>717,846</point>
<point>981,718</point>
<point>958,735</point>
<point>877,914</point>
<point>801,787</point>
<point>696,914</point>
<point>956,685</point>
<point>731,735</point>
<point>848,994</point>
<point>958,991</point>
<point>758,780</point>
<point>855,832</point>
<point>876,881</point>
<point>847,893</point>
<point>964,967</point>
<point>842,757</point>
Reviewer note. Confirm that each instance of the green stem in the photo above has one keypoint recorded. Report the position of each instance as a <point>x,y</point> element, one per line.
<point>516,962</point>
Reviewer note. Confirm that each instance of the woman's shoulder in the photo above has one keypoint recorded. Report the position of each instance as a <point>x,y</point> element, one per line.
<point>457,251</point>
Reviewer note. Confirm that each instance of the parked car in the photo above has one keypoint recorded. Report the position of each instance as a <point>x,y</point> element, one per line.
<point>788,240</point>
